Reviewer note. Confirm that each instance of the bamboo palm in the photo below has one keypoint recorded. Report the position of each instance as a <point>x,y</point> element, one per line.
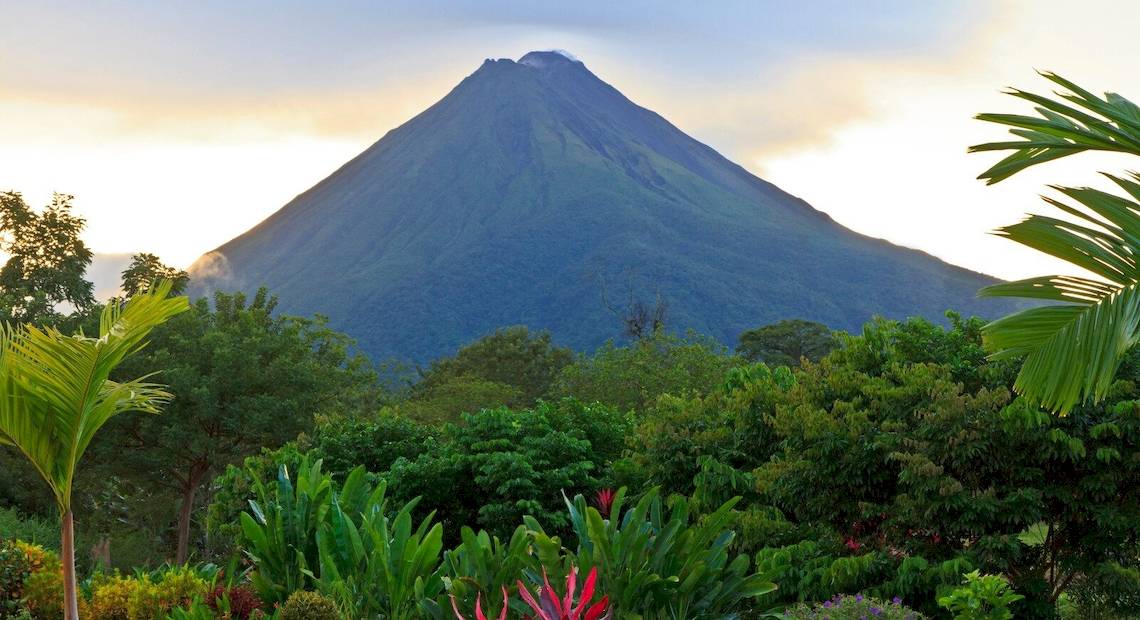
<point>55,395</point>
<point>1072,348</point>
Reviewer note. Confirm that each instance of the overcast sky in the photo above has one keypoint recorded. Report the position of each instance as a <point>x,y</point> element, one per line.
<point>178,125</point>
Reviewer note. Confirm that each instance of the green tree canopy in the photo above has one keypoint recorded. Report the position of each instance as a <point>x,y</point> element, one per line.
<point>787,342</point>
<point>634,376</point>
<point>47,260</point>
<point>244,378</point>
<point>908,465</point>
<point>448,398</point>
<point>497,467</point>
<point>513,356</point>
<point>145,269</point>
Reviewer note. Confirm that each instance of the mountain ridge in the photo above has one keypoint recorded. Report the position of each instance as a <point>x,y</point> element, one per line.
<point>495,206</point>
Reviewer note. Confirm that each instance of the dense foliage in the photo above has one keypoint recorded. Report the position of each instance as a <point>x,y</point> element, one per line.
<point>895,466</point>
<point>514,357</point>
<point>503,464</point>
<point>246,379</point>
<point>786,343</point>
<point>633,376</point>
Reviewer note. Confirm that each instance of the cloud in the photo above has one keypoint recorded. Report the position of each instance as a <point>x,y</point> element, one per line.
<point>213,272</point>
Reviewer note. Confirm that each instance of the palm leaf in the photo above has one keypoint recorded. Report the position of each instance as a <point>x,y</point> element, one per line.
<point>57,391</point>
<point>1072,349</point>
<point>1086,122</point>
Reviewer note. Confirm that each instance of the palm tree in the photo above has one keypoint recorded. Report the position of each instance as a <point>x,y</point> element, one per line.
<point>1072,348</point>
<point>55,394</point>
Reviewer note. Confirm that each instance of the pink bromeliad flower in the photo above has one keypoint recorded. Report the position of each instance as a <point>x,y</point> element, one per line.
<point>479,615</point>
<point>604,500</point>
<point>548,607</point>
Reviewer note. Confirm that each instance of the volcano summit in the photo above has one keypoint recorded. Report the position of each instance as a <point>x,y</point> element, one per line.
<point>534,193</point>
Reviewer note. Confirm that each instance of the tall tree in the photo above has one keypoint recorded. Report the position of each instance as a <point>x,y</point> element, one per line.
<point>787,342</point>
<point>46,260</point>
<point>1072,348</point>
<point>56,393</point>
<point>146,269</point>
<point>244,379</point>
<point>634,376</point>
<point>513,356</point>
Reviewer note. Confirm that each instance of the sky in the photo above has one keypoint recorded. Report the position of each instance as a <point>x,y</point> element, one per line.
<point>179,125</point>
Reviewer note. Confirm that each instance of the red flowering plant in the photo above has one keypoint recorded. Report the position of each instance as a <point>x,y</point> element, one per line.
<point>604,501</point>
<point>236,602</point>
<point>479,615</point>
<point>549,606</point>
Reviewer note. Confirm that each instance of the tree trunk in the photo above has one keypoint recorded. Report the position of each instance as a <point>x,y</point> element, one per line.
<point>193,481</point>
<point>184,521</point>
<point>67,557</point>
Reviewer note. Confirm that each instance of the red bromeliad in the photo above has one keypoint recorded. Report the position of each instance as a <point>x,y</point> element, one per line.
<point>548,607</point>
<point>604,500</point>
<point>479,615</point>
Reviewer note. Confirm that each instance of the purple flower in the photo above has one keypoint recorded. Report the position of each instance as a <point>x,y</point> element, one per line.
<point>827,604</point>
<point>858,598</point>
<point>875,611</point>
<point>896,600</point>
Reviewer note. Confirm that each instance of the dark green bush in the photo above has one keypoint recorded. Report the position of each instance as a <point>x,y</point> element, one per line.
<point>911,450</point>
<point>513,357</point>
<point>36,530</point>
<point>658,561</point>
<point>498,467</point>
<point>730,426</point>
<point>14,570</point>
<point>373,443</point>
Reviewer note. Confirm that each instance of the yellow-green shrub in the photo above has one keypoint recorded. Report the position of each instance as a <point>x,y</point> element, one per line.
<point>176,588</point>
<point>303,605</point>
<point>110,598</point>
<point>43,590</point>
<point>144,598</point>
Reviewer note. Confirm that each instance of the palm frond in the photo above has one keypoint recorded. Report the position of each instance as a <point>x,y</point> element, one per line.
<point>57,391</point>
<point>1072,349</point>
<point>22,425</point>
<point>1109,123</point>
<point>1071,352</point>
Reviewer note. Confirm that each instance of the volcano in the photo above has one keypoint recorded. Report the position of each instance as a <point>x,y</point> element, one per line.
<point>536,194</point>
